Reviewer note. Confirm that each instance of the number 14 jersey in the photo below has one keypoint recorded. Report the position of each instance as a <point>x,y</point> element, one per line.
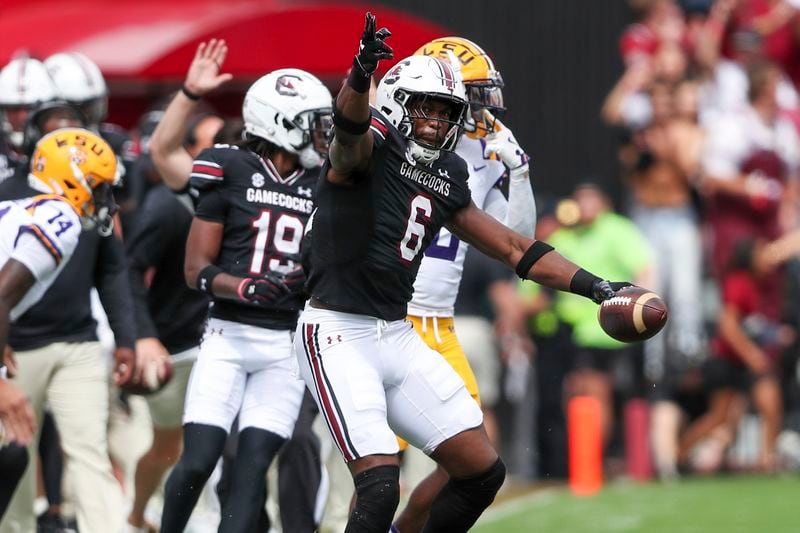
<point>369,237</point>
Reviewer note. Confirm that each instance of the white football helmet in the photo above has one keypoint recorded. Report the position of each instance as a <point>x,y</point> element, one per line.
<point>79,81</point>
<point>24,84</point>
<point>412,81</point>
<point>291,109</point>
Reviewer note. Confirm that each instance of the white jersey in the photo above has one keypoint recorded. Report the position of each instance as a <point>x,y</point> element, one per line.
<point>40,232</point>
<point>439,276</point>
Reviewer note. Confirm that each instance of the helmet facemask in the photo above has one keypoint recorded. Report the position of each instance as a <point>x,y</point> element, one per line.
<point>104,210</point>
<point>486,103</point>
<point>428,107</point>
<point>315,125</point>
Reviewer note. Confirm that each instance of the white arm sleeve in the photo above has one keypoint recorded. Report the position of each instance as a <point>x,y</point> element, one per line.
<point>519,211</point>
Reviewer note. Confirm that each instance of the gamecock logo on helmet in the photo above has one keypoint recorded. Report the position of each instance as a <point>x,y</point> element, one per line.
<point>285,85</point>
<point>393,75</point>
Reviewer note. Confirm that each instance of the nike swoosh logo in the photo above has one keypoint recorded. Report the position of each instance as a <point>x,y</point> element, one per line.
<point>476,169</point>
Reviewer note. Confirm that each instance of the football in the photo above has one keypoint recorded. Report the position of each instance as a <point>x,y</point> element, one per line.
<point>634,314</point>
<point>154,377</point>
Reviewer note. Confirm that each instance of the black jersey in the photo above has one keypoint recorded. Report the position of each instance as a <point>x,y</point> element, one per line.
<point>369,237</point>
<point>264,217</point>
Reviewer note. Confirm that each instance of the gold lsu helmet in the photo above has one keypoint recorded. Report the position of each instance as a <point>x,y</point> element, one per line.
<point>482,80</point>
<point>81,167</point>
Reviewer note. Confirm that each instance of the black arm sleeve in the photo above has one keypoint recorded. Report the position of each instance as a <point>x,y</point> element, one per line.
<point>111,281</point>
<point>146,247</point>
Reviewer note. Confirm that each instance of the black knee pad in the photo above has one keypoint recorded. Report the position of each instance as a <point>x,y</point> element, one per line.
<point>481,489</point>
<point>378,494</point>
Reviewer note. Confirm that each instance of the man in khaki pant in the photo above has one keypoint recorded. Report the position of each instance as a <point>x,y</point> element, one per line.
<point>59,361</point>
<point>72,378</point>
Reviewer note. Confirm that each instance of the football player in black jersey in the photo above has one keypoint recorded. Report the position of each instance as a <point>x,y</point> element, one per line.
<point>253,203</point>
<point>390,183</point>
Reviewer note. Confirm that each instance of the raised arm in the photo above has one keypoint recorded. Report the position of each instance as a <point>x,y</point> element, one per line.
<point>166,144</point>
<point>531,259</point>
<point>351,147</point>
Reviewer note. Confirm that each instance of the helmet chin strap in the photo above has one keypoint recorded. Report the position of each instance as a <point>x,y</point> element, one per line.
<point>422,154</point>
<point>16,138</point>
<point>309,158</point>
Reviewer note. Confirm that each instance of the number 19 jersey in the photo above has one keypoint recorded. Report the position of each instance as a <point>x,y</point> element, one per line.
<point>369,237</point>
<point>264,217</point>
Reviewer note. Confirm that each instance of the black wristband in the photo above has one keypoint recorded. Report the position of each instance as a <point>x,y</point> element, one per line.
<point>346,125</point>
<point>582,283</point>
<point>358,79</point>
<point>531,255</point>
<point>206,277</point>
<point>189,94</point>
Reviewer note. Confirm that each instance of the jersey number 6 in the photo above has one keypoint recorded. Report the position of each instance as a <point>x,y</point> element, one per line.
<point>419,215</point>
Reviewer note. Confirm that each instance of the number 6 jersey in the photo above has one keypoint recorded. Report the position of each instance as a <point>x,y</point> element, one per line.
<point>369,237</point>
<point>264,217</point>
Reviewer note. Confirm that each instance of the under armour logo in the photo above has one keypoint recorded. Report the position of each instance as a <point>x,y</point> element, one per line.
<point>257,180</point>
<point>331,339</point>
<point>305,192</point>
<point>203,283</point>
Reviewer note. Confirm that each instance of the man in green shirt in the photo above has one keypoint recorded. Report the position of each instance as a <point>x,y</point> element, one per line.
<point>611,244</point>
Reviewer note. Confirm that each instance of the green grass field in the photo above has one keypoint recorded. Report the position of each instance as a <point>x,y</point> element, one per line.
<point>721,504</point>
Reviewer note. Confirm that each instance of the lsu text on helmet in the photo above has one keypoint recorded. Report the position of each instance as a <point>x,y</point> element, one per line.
<point>291,109</point>
<point>483,82</point>
<point>408,87</point>
<point>80,166</point>
<point>24,84</point>
<point>78,80</point>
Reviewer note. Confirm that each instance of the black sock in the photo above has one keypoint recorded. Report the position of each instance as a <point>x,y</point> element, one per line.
<point>202,446</point>
<point>248,490</point>
<point>52,460</point>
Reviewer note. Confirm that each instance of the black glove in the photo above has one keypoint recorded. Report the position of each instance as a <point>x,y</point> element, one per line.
<point>269,288</point>
<point>372,47</point>
<point>295,280</point>
<point>603,290</point>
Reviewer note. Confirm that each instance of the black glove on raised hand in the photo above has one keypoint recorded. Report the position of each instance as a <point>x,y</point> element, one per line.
<point>269,288</point>
<point>372,48</point>
<point>603,290</point>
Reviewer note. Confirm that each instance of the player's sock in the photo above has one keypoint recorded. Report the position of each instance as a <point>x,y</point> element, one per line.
<point>202,446</point>
<point>462,501</point>
<point>248,492</point>
<point>377,496</point>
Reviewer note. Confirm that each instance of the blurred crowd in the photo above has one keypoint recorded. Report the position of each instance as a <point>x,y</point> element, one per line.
<point>707,114</point>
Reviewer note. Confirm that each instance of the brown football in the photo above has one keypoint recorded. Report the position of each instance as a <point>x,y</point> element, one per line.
<point>634,314</point>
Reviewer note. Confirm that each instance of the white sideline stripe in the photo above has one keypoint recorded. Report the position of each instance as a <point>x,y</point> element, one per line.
<point>495,513</point>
